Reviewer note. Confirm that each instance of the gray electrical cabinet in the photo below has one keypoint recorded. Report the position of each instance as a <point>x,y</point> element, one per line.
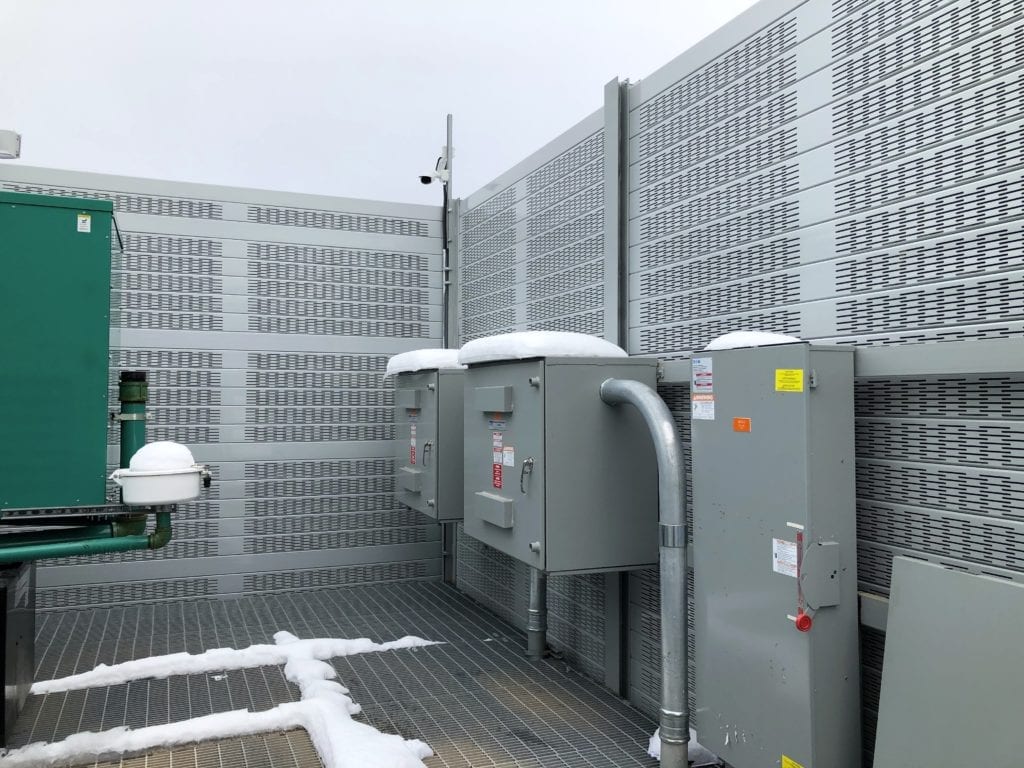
<point>428,412</point>
<point>555,477</point>
<point>18,632</point>
<point>774,549</point>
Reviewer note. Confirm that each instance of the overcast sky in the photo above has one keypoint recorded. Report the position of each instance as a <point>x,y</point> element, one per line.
<point>340,98</point>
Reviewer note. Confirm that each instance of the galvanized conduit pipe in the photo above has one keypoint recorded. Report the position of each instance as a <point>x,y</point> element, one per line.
<point>537,616</point>
<point>675,716</point>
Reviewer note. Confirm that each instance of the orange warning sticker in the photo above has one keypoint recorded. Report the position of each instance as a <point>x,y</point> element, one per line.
<point>741,424</point>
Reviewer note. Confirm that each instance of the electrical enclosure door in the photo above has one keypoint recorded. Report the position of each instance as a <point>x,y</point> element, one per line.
<point>416,417</point>
<point>554,476</point>
<point>428,458</point>
<point>775,537</point>
<point>504,458</point>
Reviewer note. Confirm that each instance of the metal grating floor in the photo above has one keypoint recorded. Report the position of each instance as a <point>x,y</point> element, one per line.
<point>287,749</point>
<point>476,700</point>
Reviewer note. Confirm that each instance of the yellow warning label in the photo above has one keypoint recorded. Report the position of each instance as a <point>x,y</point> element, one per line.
<point>789,762</point>
<point>789,380</point>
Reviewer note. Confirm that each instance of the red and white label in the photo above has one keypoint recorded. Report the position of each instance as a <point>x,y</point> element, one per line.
<point>497,440</point>
<point>412,444</point>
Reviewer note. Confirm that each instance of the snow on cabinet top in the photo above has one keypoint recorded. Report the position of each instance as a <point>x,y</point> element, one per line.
<point>739,339</point>
<point>423,360</point>
<point>161,456</point>
<point>528,344</point>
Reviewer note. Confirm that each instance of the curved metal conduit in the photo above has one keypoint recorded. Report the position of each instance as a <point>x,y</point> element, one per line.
<point>675,716</point>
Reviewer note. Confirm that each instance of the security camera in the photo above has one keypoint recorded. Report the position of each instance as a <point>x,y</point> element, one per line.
<point>10,145</point>
<point>442,171</point>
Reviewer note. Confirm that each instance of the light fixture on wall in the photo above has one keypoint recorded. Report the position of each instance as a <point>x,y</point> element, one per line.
<point>10,145</point>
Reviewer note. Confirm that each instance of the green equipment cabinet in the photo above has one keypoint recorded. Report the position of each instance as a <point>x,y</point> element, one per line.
<point>54,347</point>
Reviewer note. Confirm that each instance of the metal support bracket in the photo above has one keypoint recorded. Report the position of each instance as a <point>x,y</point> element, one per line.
<point>672,535</point>
<point>821,574</point>
<point>127,416</point>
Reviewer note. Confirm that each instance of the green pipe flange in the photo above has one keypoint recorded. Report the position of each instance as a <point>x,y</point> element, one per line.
<point>132,387</point>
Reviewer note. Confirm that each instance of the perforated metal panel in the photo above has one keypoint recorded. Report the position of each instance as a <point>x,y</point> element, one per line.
<point>534,250</point>
<point>265,333</point>
<point>854,175</point>
<point>533,257</point>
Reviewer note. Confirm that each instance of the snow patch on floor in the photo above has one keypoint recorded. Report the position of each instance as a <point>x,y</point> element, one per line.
<point>739,339</point>
<point>221,660</point>
<point>325,711</point>
<point>695,753</point>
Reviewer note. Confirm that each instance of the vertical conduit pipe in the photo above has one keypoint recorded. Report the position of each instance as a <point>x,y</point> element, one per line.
<point>537,616</point>
<point>675,693</point>
<point>132,392</point>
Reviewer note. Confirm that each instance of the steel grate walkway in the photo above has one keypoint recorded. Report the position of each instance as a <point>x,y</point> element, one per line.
<point>288,749</point>
<point>476,700</point>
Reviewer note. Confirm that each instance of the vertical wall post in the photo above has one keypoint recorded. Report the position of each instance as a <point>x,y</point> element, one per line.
<point>616,213</point>
<point>447,218</point>
<point>449,312</point>
<point>616,179</point>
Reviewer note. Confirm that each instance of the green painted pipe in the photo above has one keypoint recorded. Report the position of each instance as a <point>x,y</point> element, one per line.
<point>162,534</point>
<point>124,542</point>
<point>132,392</point>
<point>71,548</point>
<point>131,526</point>
<point>68,521</point>
<point>81,533</point>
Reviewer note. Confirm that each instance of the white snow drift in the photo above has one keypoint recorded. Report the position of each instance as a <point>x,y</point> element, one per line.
<point>528,344</point>
<point>423,360</point>
<point>695,753</point>
<point>738,339</point>
<point>161,456</point>
<point>325,710</point>
<point>222,659</point>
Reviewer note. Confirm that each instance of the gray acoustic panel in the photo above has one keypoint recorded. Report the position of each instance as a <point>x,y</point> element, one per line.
<point>532,243</point>
<point>851,171</point>
<point>533,257</point>
<point>265,329</point>
<point>844,170</point>
<point>904,122</point>
<point>915,727</point>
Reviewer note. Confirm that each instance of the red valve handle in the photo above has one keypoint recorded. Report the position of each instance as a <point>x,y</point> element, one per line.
<point>804,622</point>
